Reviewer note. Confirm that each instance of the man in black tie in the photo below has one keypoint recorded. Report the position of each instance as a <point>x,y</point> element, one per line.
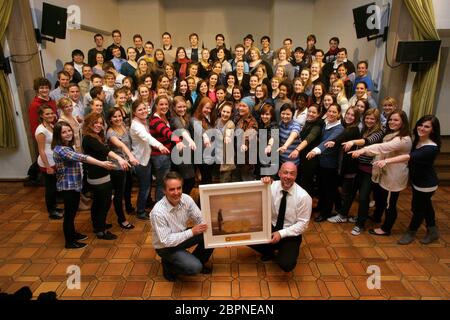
<point>291,212</point>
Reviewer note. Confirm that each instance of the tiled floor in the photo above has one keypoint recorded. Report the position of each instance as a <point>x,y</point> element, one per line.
<point>332,263</point>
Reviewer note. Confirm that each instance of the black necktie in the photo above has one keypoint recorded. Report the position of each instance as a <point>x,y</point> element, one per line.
<point>281,212</point>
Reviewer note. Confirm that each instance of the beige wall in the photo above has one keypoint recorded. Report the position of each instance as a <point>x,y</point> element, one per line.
<point>99,14</point>
<point>234,18</point>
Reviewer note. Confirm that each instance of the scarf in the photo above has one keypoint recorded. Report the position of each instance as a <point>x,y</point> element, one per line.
<point>183,67</point>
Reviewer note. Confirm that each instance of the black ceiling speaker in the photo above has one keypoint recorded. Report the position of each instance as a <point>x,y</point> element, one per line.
<point>54,21</point>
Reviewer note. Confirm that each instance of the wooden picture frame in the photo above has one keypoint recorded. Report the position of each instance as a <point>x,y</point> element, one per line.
<point>236,214</point>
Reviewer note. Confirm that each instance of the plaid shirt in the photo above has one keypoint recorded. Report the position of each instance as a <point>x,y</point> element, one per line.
<point>68,168</point>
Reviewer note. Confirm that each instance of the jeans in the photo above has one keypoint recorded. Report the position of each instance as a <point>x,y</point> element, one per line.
<point>160,166</point>
<point>118,183</point>
<point>180,261</point>
<point>128,188</point>
<point>101,203</point>
<point>364,181</point>
<point>381,199</point>
<point>50,191</point>
<point>422,208</point>
<point>71,202</point>
<point>144,178</point>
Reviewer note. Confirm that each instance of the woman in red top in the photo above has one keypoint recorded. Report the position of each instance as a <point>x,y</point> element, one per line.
<point>161,131</point>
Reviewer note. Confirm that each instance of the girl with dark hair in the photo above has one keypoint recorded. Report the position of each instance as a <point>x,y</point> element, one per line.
<point>119,141</point>
<point>348,166</point>
<point>44,136</point>
<point>261,99</point>
<point>98,178</point>
<point>231,82</point>
<point>301,108</point>
<point>371,134</point>
<point>212,84</point>
<point>328,162</point>
<point>161,131</point>
<point>181,63</point>
<point>129,68</point>
<point>425,148</point>
<point>289,133</point>
<point>182,90</point>
<point>318,92</point>
<point>170,73</point>
<point>310,136</point>
<point>267,122</point>
<point>69,179</point>
<point>236,97</point>
<point>393,178</point>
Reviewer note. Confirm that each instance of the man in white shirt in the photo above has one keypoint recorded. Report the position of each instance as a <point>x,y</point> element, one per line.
<point>291,212</point>
<point>171,235</point>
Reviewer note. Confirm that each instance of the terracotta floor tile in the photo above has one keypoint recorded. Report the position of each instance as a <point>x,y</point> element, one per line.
<point>191,289</point>
<point>115,269</point>
<point>279,289</point>
<point>9,269</point>
<point>369,253</point>
<point>354,268</point>
<point>337,289</point>
<point>272,269</point>
<point>248,270</point>
<point>312,239</point>
<point>60,269</point>
<point>45,287</point>
<point>328,269</point>
<point>123,253</point>
<point>220,289</point>
<point>133,289</point>
<point>146,253</point>
<point>395,253</point>
<point>303,269</point>
<point>25,253</point>
<point>221,269</point>
<point>436,269</point>
<point>395,289</point>
<point>347,253</point>
<point>320,253</point>
<point>308,289</point>
<point>6,251</point>
<point>76,293</point>
<point>104,289</point>
<point>99,253</point>
<point>361,285</point>
<point>140,269</point>
<point>89,269</point>
<point>442,253</point>
<point>250,288</point>
<point>425,289</point>
<point>36,269</point>
<point>162,289</point>
<point>221,253</point>
<point>410,269</point>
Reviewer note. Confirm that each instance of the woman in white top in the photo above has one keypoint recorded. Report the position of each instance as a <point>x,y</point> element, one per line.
<point>338,90</point>
<point>142,141</point>
<point>44,136</point>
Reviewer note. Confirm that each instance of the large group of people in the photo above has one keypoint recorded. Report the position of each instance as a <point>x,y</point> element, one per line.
<point>125,115</point>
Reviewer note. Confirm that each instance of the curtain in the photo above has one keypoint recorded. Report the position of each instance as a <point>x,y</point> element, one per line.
<point>7,126</point>
<point>424,87</point>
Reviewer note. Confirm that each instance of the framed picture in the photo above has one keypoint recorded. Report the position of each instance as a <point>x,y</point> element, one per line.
<point>237,213</point>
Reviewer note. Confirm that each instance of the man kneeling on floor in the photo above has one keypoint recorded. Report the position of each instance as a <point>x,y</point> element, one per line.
<point>291,211</point>
<point>171,236</point>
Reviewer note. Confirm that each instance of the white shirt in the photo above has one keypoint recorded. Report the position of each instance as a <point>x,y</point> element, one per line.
<point>48,142</point>
<point>141,140</point>
<point>169,223</point>
<point>298,209</point>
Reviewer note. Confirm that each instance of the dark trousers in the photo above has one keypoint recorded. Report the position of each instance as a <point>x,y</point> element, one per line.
<point>128,188</point>
<point>118,184</point>
<point>188,185</point>
<point>364,181</point>
<point>328,189</point>
<point>180,261</point>
<point>71,202</point>
<point>381,200</point>
<point>349,188</point>
<point>422,209</point>
<point>206,172</point>
<point>50,191</point>
<point>101,203</point>
<point>288,251</point>
<point>307,170</point>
